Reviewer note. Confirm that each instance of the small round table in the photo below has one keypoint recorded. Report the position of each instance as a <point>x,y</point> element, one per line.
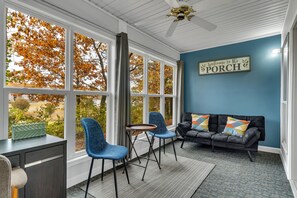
<point>136,129</point>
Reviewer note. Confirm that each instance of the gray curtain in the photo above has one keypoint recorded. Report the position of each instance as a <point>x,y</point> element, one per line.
<point>180,90</point>
<point>122,89</point>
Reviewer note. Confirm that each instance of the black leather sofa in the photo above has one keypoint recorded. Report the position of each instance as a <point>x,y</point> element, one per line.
<point>215,137</point>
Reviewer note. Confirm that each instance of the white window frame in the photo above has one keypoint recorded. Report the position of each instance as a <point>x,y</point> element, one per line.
<point>163,61</point>
<point>68,92</point>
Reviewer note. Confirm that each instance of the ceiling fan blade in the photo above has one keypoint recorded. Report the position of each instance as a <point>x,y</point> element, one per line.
<point>209,4</point>
<point>203,23</point>
<point>171,29</point>
<point>172,3</point>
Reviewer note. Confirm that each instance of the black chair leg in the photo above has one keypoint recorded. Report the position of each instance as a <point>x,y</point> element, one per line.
<point>164,145</point>
<point>89,178</point>
<point>126,171</point>
<point>115,178</point>
<point>102,169</point>
<point>174,148</point>
<point>160,151</point>
<point>252,159</point>
<point>181,146</point>
<point>212,147</point>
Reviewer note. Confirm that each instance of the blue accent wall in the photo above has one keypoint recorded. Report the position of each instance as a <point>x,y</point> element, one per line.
<point>245,93</point>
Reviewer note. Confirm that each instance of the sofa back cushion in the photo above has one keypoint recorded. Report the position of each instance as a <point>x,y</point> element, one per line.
<point>255,121</point>
<point>217,122</point>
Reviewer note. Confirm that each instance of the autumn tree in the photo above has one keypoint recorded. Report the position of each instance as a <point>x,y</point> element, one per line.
<point>36,59</point>
<point>36,50</point>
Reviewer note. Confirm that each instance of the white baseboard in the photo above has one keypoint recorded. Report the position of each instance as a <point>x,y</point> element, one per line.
<point>269,149</point>
<point>284,161</point>
<point>294,187</point>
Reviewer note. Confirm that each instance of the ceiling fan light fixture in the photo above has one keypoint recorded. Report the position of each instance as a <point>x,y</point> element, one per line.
<point>180,16</point>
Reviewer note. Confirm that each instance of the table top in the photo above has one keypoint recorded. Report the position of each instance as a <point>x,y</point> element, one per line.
<point>8,146</point>
<point>141,127</point>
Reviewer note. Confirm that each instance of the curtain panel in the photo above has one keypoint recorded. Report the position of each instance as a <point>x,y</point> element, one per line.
<point>180,90</point>
<point>122,89</point>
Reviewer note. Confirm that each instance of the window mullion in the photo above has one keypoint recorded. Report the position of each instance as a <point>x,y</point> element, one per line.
<point>145,91</point>
<point>70,102</point>
<point>162,98</point>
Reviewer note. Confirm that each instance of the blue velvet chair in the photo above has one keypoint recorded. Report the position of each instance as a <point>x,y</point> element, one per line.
<point>161,132</point>
<point>98,148</point>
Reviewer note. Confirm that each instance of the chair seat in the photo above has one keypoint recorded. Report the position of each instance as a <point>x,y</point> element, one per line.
<point>167,134</point>
<point>112,152</point>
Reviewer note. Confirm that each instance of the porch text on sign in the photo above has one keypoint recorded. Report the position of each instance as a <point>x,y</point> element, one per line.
<point>238,64</point>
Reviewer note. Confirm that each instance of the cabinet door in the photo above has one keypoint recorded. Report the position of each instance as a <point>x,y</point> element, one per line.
<point>46,180</point>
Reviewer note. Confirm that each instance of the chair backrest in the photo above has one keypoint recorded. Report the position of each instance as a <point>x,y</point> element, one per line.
<point>94,137</point>
<point>5,177</point>
<point>157,119</point>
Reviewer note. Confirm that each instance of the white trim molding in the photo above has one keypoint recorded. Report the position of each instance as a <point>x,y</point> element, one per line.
<point>269,149</point>
<point>293,187</point>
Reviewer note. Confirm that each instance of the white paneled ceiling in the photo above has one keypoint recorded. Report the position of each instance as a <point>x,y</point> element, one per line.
<point>236,20</point>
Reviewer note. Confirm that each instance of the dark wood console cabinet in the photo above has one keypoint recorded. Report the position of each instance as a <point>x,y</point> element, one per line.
<point>44,160</point>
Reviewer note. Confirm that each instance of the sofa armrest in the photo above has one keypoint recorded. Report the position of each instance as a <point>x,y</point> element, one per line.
<point>183,128</point>
<point>251,136</point>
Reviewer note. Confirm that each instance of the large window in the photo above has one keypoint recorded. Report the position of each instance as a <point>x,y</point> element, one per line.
<point>35,52</point>
<point>90,74</point>
<point>54,75</point>
<point>152,88</point>
<point>35,59</point>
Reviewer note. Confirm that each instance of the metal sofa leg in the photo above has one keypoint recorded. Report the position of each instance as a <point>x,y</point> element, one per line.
<point>252,158</point>
<point>212,147</point>
<point>181,146</point>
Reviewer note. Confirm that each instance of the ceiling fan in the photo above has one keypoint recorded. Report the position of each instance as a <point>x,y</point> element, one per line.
<point>182,11</point>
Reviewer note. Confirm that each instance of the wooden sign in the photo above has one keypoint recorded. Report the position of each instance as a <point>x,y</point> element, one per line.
<point>229,65</point>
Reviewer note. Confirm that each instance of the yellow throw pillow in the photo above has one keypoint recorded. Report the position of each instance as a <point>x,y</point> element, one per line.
<point>200,122</point>
<point>236,127</point>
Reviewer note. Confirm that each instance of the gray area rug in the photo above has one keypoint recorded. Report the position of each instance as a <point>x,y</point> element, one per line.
<point>176,179</point>
<point>234,175</point>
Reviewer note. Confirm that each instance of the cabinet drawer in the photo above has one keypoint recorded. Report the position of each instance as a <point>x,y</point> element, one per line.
<point>14,160</point>
<point>44,154</point>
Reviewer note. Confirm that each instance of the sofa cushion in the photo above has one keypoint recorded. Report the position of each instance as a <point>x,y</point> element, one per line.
<point>236,127</point>
<point>206,135</point>
<point>200,122</point>
<point>220,137</point>
<point>249,134</point>
<point>192,133</point>
<point>235,139</point>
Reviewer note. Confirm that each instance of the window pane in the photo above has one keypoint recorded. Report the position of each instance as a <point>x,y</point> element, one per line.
<point>92,107</point>
<point>136,110</point>
<point>154,104</point>
<point>29,108</point>
<point>168,79</point>
<point>153,77</point>
<point>35,52</point>
<point>168,111</point>
<point>90,64</point>
<point>136,73</point>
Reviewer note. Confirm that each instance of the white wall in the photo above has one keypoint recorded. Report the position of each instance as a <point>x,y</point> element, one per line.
<point>290,159</point>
